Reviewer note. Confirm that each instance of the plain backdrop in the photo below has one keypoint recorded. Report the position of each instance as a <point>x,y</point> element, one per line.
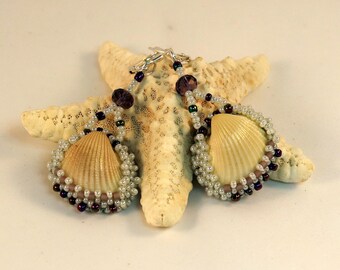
<point>48,56</point>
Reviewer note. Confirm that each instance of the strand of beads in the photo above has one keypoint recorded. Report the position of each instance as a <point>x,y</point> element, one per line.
<point>96,200</point>
<point>204,171</point>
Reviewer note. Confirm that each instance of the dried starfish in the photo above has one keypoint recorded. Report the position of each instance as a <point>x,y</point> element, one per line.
<point>159,127</point>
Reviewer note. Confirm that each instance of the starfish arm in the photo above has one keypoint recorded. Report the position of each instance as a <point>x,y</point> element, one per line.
<point>114,63</point>
<point>166,174</point>
<point>294,165</point>
<point>229,78</point>
<point>55,123</point>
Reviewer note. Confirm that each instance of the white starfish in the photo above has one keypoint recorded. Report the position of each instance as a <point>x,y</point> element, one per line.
<point>159,125</point>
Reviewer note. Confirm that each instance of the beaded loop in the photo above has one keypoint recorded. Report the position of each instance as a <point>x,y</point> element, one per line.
<point>96,201</point>
<point>187,86</point>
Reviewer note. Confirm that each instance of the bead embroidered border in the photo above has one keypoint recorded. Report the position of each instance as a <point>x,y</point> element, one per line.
<point>186,86</point>
<point>96,201</point>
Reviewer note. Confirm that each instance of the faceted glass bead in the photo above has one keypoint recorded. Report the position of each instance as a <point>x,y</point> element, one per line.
<point>100,115</point>
<point>186,83</point>
<point>122,98</point>
<point>139,76</point>
<point>176,65</point>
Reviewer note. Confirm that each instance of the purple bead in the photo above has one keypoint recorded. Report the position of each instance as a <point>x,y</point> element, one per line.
<point>257,185</point>
<point>236,197</point>
<point>202,130</point>
<point>273,166</point>
<point>208,97</point>
<point>186,83</point>
<point>63,193</point>
<point>265,176</point>
<point>81,207</point>
<point>249,191</point>
<point>95,207</point>
<point>56,187</point>
<point>208,122</point>
<point>278,153</point>
<point>139,76</point>
<point>122,98</point>
<point>87,131</point>
<point>113,208</point>
<point>72,200</point>
<point>177,65</point>
<point>216,112</point>
<point>228,108</point>
<point>100,115</point>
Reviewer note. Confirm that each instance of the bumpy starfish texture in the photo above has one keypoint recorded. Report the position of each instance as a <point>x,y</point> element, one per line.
<point>159,128</point>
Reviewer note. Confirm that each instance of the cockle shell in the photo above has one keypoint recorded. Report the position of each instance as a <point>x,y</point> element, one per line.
<point>236,145</point>
<point>92,163</point>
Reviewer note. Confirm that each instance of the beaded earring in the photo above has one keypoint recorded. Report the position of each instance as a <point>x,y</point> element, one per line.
<point>202,162</point>
<point>94,169</point>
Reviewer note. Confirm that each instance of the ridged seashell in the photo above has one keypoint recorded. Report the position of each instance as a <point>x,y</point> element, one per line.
<point>236,145</point>
<point>92,163</point>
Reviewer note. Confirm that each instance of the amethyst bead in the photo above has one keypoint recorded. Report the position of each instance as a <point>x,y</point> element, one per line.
<point>113,208</point>
<point>249,191</point>
<point>208,97</point>
<point>236,197</point>
<point>202,130</point>
<point>186,83</point>
<point>63,193</point>
<point>95,207</point>
<point>122,98</point>
<point>72,200</point>
<point>273,166</point>
<point>139,76</point>
<point>177,65</point>
<point>278,153</point>
<point>257,185</point>
<point>81,207</point>
<point>216,112</point>
<point>100,115</point>
<point>265,176</point>
<point>228,108</point>
<point>56,187</point>
<point>208,122</point>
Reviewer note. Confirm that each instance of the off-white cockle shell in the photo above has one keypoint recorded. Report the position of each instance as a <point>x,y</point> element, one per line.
<point>159,131</point>
<point>92,163</point>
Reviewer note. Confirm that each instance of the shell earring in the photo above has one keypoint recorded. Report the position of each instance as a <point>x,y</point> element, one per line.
<point>235,148</point>
<point>94,169</point>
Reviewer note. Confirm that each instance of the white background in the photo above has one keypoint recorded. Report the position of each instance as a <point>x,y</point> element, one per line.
<point>48,55</point>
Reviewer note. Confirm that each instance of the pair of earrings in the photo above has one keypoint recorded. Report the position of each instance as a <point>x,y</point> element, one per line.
<point>106,179</point>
